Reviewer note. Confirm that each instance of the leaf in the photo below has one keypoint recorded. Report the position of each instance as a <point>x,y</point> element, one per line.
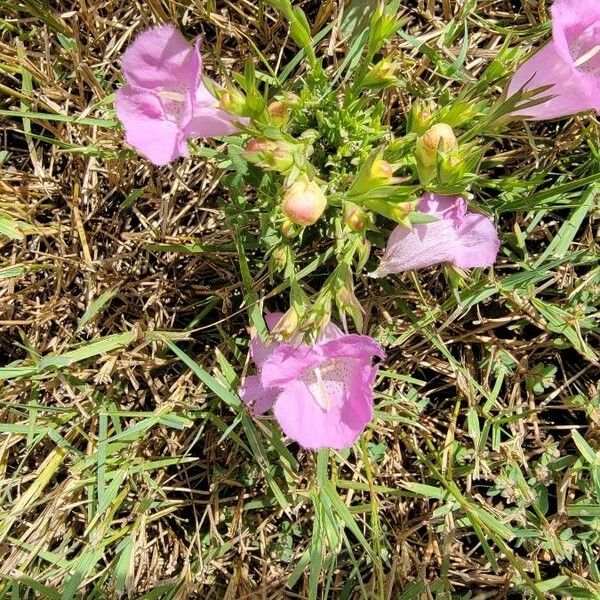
<point>586,451</point>
<point>558,321</point>
<point>427,491</point>
<point>95,307</point>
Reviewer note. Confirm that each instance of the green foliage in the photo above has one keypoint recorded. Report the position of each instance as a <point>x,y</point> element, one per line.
<point>129,466</point>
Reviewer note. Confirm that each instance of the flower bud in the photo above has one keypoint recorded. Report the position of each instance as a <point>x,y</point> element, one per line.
<point>371,176</point>
<point>232,102</point>
<point>270,155</point>
<point>287,325</point>
<point>288,229</point>
<point>381,75</point>
<point>304,202</point>
<point>260,145</point>
<point>395,211</point>
<point>452,168</point>
<point>278,112</point>
<point>382,170</point>
<point>291,99</point>
<point>348,303</point>
<point>439,137</point>
<point>420,117</point>
<point>356,218</point>
<point>279,258</point>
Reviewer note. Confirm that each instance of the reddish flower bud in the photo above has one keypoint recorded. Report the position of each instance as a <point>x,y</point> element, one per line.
<point>270,155</point>
<point>356,218</point>
<point>278,112</point>
<point>304,202</point>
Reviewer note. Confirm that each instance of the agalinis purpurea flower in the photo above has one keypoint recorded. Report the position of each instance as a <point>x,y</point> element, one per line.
<point>459,237</point>
<point>321,393</point>
<point>570,63</point>
<point>164,101</point>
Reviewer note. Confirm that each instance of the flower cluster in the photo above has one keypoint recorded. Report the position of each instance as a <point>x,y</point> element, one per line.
<point>342,174</point>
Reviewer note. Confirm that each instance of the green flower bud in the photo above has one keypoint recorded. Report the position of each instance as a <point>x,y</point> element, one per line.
<point>232,101</point>
<point>381,75</point>
<point>288,229</point>
<point>421,117</point>
<point>452,167</point>
<point>279,259</point>
<point>439,138</point>
<point>270,155</point>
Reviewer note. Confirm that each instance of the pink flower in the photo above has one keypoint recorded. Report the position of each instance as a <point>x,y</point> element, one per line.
<point>570,63</point>
<point>459,237</point>
<point>321,394</point>
<point>164,102</point>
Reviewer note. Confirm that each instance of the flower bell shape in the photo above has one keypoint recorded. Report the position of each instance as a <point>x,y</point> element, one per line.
<point>164,102</point>
<point>459,237</point>
<point>321,394</point>
<point>569,64</point>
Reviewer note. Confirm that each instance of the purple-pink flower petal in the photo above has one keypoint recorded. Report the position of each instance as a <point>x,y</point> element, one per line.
<point>453,208</point>
<point>287,362</point>
<point>161,59</point>
<point>459,237</point>
<point>338,427</point>
<point>569,64</point>
<point>160,140</point>
<point>421,246</point>
<point>164,102</point>
<point>322,394</point>
<point>254,395</point>
<point>477,244</point>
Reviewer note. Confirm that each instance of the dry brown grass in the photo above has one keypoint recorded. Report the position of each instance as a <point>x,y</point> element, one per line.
<point>96,219</point>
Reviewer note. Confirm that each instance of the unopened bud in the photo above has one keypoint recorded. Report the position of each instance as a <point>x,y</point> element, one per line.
<point>232,102</point>
<point>421,116</point>
<point>440,137</point>
<point>378,173</point>
<point>270,155</point>
<point>279,258</point>
<point>278,112</point>
<point>356,218</point>
<point>395,211</point>
<point>287,325</point>
<point>304,202</point>
<point>381,75</point>
<point>452,168</point>
<point>381,169</point>
<point>347,302</point>
<point>291,99</point>
<point>288,229</point>
<point>437,139</point>
<point>260,145</point>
